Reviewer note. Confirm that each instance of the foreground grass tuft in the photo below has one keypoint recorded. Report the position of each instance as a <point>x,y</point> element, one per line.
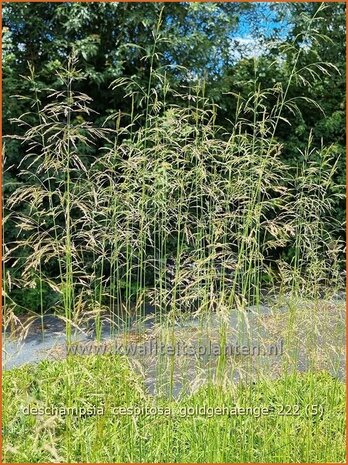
<point>305,420</point>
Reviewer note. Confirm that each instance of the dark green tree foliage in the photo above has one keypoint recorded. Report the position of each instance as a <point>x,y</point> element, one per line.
<point>113,39</point>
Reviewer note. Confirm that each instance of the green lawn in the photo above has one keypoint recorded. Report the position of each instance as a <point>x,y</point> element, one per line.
<point>98,387</point>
